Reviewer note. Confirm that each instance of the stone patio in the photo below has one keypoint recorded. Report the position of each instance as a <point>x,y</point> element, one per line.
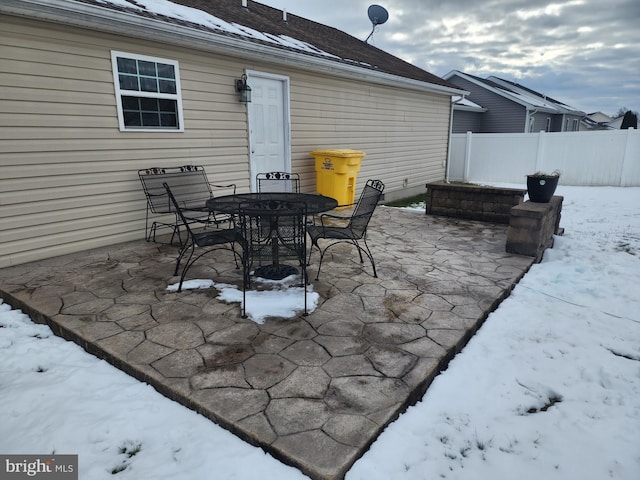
<point>313,391</point>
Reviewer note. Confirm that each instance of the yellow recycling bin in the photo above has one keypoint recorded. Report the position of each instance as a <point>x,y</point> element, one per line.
<point>336,172</point>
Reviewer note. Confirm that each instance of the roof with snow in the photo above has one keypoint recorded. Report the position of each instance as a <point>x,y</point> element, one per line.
<point>518,93</point>
<point>267,26</point>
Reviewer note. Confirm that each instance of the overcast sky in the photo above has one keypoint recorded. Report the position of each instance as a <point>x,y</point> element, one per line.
<point>585,53</point>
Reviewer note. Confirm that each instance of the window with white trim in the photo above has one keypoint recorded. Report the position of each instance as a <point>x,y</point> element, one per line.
<point>147,93</point>
<point>575,127</point>
<point>547,127</point>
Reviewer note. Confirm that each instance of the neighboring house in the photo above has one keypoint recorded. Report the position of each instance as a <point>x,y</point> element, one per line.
<point>597,121</point>
<point>508,107</point>
<point>600,117</point>
<point>616,123</point>
<point>93,90</point>
<point>467,116</point>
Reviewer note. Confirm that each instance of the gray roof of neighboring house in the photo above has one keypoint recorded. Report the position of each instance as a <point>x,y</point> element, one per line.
<point>258,28</point>
<point>518,93</point>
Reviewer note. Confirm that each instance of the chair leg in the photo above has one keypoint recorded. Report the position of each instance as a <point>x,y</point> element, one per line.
<point>187,265</point>
<point>245,283</point>
<point>176,231</point>
<point>355,242</point>
<point>305,280</point>
<point>320,262</point>
<point>181,253</point>
<point>367,251</point>
<point>146,226</point>
<point>244,299</point>
<point>310,252</point>
<point>152,232</point>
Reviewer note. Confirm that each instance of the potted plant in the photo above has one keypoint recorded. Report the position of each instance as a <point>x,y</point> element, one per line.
<point>541,186</point>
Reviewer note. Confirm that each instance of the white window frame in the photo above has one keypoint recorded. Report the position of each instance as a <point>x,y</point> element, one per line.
<point>548,125</point>
<point>574,125</point>
<point>142,94</point>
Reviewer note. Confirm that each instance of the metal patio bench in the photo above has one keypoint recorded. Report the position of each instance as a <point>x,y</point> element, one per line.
<point>191,189</point>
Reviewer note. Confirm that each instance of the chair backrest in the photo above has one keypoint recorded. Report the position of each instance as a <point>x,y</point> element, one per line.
<point>369,198</point>
<point>189,185</point>
<point>278,182</point>
<point>177,208</point>
<point>273,228</point>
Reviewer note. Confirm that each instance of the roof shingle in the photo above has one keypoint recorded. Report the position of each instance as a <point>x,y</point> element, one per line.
<point>340,46</point>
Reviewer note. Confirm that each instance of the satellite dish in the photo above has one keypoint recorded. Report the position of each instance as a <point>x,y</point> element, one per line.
<point>378,15</point>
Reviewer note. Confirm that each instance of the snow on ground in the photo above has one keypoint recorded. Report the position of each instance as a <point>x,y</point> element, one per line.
<point>284,298</point>
<point>548,388</point>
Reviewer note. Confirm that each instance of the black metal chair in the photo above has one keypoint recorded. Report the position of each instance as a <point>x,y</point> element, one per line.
<point>273,230</point>
<point>278,182</point>
<point>208,240</point>
<point>355,230</point>
<point>191,187</point>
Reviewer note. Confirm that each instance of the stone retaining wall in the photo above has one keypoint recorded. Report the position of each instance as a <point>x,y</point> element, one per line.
<point>533,226</point>
<point>472,202</point>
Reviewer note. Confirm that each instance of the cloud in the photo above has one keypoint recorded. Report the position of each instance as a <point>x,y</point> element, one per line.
<point>583,52</point>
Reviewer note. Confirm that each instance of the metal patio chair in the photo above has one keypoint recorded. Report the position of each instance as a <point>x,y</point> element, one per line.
<point>355,230</point>
<point>205,241</point>
<point>273,231</point>
<point>278,182</point>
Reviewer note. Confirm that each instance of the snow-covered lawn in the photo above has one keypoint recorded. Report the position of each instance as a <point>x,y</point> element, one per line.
<point>549,388</point>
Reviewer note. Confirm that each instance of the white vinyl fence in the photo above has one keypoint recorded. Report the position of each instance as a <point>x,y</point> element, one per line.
<point>608,157</point>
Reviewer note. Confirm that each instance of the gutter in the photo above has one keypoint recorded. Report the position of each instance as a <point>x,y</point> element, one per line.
<point>528,118</point>
<point>448,159</point>
<point>124,23</point>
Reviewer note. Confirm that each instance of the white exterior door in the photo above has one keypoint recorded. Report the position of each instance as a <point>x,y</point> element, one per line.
<point>268,124</point>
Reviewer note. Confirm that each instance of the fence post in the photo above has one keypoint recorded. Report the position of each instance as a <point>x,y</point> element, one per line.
<point>467,157</point>
<point>540,151</point>
<point>626,160</point>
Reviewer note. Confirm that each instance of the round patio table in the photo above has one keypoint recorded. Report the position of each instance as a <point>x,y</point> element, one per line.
<point>272,205</point>
<point>314,202</point>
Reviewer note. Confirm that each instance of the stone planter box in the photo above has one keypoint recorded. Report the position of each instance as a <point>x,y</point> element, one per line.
<point>533,226</point>
<point>473,202</point>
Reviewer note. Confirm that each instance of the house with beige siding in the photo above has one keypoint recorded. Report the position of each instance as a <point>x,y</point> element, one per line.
<point>94,90</point>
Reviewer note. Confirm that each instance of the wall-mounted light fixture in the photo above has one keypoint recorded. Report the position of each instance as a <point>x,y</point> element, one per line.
<point>243,89</point>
